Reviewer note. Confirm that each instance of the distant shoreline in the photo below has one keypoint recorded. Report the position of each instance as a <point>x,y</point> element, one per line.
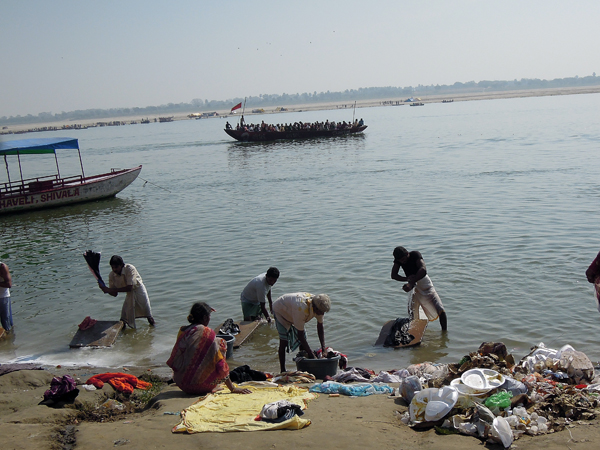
<point>461,97</point>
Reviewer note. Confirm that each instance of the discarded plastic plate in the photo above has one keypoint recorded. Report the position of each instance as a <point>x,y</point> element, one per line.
<point>501,429</point>
<point>475,379</point>
<point>463,389</point>
<point>419,404</point>
<point>432,404</point>
<point>493,378</point>
<point>482,379</point>
<point>435,410</point>
<point>447,394</point>
<point>440,403</point>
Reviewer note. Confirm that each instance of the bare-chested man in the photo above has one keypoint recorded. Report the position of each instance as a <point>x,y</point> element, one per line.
<point>418,284</point>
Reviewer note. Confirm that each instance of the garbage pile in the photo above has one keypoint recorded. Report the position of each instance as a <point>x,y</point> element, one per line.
<point>489,396</point>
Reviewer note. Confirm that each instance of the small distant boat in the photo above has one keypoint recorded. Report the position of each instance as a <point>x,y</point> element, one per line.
<point>417,104</point>
<point>54,190</point>
<point>165,119</point>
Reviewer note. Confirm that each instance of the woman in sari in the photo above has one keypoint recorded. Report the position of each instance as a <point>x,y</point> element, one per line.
<point>198,357</point>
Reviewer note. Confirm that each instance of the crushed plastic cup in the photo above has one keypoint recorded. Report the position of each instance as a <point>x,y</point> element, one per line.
<point>469,429</point>
<point>513,421</point>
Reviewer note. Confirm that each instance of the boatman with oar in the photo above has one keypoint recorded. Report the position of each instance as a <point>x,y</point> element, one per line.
<point>418,285</point>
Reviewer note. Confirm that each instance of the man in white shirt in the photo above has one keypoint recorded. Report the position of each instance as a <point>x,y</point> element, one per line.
<point>256,293</point>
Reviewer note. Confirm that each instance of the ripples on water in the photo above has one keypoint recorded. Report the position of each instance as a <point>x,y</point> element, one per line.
<point>501,197</point>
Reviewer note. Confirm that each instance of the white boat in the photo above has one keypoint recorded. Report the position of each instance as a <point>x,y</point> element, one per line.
<point>54,190</point>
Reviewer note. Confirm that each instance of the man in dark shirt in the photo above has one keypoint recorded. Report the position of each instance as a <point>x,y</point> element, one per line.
<point>419,285</point>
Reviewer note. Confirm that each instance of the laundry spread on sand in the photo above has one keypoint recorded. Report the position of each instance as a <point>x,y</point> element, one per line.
<point>224,411</point>
<point>122,382</point>
<point>295,376</point>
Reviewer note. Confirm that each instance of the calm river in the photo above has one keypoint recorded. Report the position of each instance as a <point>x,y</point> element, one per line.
<point>501,197</point>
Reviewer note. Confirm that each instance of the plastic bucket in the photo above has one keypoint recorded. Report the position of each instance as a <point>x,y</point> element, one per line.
<point>320,368</point>
<point>230,340</point>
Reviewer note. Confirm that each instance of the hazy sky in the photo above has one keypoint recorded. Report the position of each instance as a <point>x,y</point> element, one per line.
<point>63,55</point>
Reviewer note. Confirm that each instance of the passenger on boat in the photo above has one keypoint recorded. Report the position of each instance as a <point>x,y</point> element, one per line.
<point>198,356</point>
<point>419,285</point>
<point>361,122</point>
<point>5,304</point>
<point>291,312</point>
<point>228,125</point>
<point>256,293</point>
<point>125,278</point>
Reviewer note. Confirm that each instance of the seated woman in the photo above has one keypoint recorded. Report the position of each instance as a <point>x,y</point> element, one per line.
<point>198,357</point>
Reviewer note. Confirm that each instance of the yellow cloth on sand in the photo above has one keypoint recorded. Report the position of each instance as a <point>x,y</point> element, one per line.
<point>224,411</point>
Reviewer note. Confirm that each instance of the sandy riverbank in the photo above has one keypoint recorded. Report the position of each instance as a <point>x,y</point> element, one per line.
<point>468,96</point>
<point>336,422</point>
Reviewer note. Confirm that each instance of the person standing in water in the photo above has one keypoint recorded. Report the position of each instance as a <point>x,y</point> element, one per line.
<point>5,305</point>
<point>418,285</point>
<point>125,278</point>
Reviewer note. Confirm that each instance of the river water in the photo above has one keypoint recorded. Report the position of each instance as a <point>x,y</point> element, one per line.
<point>501,197</point>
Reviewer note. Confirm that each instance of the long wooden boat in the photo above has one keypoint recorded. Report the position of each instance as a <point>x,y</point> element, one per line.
<point>54,190</point>
<point>262,136</point>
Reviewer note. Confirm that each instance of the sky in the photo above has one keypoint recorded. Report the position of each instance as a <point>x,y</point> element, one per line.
<point>65,55</point>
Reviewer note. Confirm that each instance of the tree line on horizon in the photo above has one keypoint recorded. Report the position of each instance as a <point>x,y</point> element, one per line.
<point>276,100</point>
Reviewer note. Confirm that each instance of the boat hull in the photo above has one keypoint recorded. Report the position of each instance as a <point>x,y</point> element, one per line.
<point>65,192</point>
<point>264,136</point>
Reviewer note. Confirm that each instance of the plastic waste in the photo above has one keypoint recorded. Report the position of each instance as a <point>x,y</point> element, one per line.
<point>522,415</point>
<point>513,386</point>
<point>501,430</point>
<point>469,429</point>
<point>499,400</point>
<point>113,405</point>
<point>432,404</point>
<point>409,387</point>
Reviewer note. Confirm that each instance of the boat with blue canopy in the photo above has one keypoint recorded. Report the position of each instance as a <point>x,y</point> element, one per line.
<point>55,190</point>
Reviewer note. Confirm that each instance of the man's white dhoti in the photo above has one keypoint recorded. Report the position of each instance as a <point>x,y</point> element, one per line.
<point>425,296</point>
<point>137,302</point>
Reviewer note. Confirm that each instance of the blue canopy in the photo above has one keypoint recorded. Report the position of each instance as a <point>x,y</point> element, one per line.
<point>37,146</point>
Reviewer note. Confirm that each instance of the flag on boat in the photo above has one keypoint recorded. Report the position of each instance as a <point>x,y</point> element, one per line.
<point>238,106</point>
